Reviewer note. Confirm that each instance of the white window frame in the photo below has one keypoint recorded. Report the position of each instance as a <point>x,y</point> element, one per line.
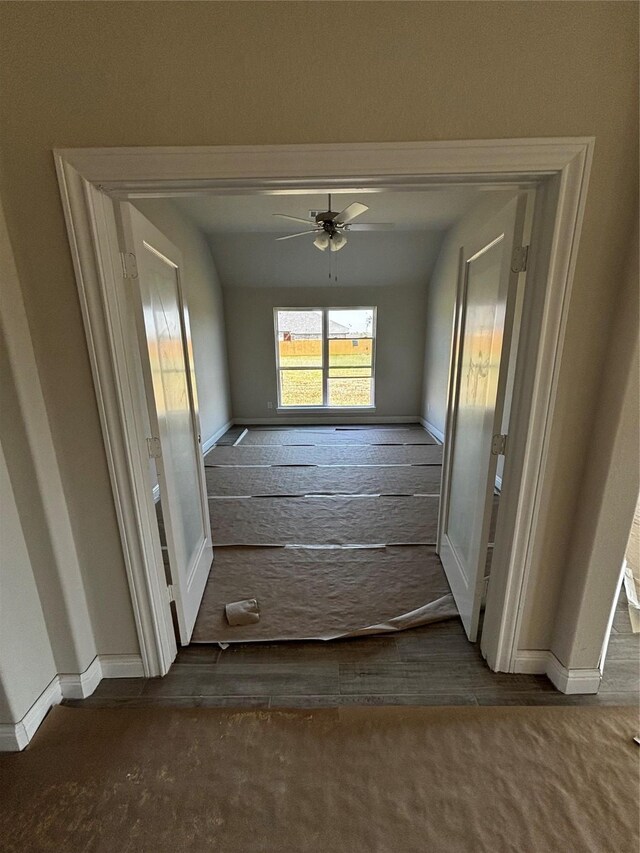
<point>324,367</point>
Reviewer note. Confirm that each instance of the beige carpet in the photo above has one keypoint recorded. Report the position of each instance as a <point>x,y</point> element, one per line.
<point>323,593</point>
<point>366,780</point>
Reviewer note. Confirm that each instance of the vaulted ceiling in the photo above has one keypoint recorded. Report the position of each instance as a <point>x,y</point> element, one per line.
<point>242,232</point>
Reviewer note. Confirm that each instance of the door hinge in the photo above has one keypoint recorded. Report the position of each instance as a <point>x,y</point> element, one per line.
<point>519,259</point>
<point>499,445</point>
<point>129,265</point>
<point>170,593</point>
<point>154,447</point>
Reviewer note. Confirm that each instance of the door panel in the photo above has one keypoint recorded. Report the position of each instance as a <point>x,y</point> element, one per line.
<point>165,348</point>
<point>484,314</point>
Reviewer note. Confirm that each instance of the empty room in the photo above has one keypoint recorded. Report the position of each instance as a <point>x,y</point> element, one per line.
<point>323,498</point>
<point>319,426</point>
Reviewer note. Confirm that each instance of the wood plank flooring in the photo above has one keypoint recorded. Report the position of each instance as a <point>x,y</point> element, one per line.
<point>433,665</point>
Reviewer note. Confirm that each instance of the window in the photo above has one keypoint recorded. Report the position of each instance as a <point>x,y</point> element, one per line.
<point>325,357</point>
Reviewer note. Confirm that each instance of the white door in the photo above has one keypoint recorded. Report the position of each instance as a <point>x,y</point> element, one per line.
<point>170,387</point>
<point>482,338</point>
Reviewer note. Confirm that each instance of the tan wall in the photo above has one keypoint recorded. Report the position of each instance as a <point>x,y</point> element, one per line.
<point>26,661</point>
<point>88,74</point>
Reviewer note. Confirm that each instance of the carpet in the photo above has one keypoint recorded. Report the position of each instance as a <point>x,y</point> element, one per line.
<point>349,780</point>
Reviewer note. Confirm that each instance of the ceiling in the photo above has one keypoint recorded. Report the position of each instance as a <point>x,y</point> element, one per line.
<point>241,230</point>
<point>434,209</point>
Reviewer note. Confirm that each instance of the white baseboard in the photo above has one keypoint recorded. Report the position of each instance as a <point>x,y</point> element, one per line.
<point>82,684</point>
<point>531,662</point>
<point>330,420</point>
<point>15,736</point>
<point>435,432</point>
<point>571,681</point>
<point>121,666</point>
<point>208,444</point>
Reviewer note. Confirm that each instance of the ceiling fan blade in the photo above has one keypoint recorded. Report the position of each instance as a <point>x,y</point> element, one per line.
<point>300,234</point>
<point>294,218</point>
<point>372,226</point>
<point>350,213</point>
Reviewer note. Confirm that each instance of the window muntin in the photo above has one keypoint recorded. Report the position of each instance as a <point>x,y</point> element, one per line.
<point>325,357</point>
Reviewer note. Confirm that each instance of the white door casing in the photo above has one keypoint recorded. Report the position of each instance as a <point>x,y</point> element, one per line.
<point>92,180</point>
<point>166,361</point>
<point>483,325</point>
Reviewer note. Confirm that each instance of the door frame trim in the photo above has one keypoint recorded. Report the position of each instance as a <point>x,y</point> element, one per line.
<point>91,179</point>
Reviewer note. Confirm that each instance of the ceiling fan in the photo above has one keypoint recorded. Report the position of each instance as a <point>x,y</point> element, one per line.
<point>330,227</point>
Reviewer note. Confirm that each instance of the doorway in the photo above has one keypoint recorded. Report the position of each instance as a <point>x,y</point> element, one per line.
<point>88,199</point>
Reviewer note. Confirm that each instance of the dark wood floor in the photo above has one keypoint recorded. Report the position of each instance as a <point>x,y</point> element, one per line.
<point>432,665</point>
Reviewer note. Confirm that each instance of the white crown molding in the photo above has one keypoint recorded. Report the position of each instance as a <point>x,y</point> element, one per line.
<point>14,737</point>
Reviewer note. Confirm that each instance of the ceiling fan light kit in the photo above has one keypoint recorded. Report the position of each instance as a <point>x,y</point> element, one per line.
<point>330,227</point>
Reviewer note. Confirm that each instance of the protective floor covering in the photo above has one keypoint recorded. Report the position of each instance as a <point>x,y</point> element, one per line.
<point>418,454</point>
<point>332,436</point>
<point>324,521</point>
<point>348,780</point>
<point>331,583</point>
<point>387,480</point>
<point>321,593</point>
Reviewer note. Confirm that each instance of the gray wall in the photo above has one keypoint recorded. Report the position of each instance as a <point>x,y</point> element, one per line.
<point>399,346</point>
<point>203,295</point>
